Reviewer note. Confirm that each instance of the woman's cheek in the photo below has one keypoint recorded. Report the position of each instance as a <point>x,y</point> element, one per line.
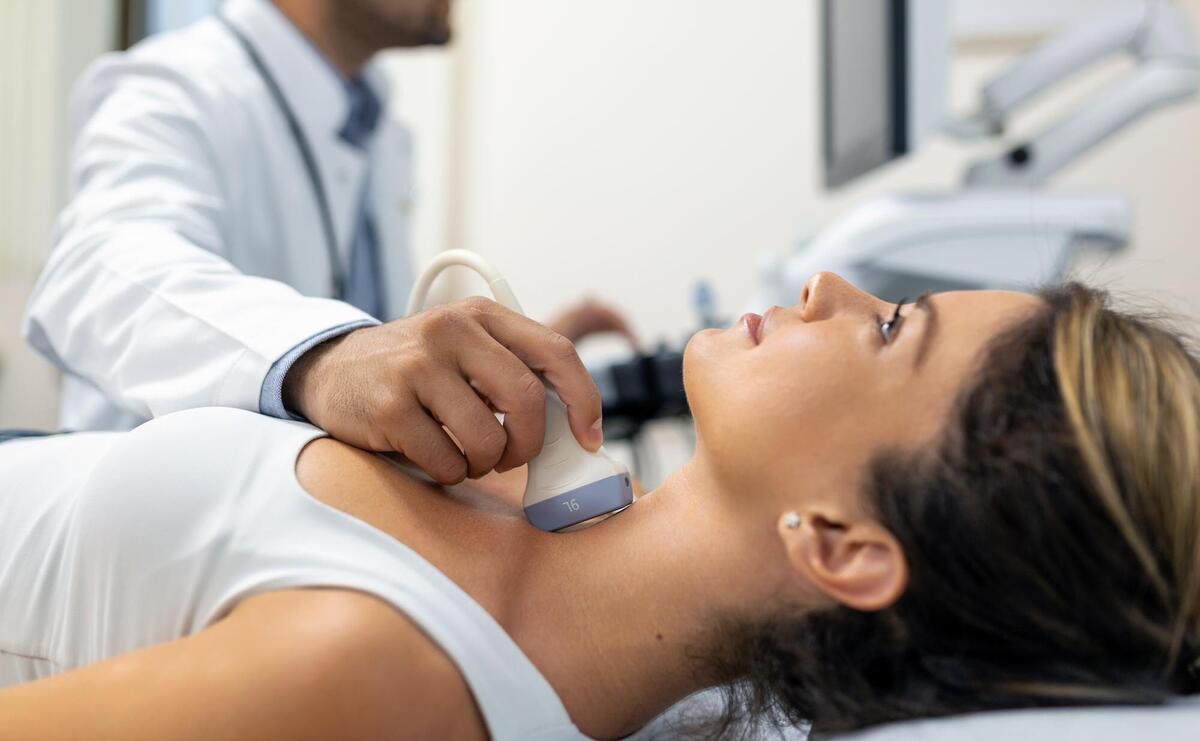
<point>817,386</point>
<point>810,363</point>
<point>794,386</point>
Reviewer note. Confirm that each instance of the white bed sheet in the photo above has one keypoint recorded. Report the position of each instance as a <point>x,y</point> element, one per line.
<point>1178,721</point>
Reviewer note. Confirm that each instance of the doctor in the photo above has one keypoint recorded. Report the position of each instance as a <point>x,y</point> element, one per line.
<point>238,228</point>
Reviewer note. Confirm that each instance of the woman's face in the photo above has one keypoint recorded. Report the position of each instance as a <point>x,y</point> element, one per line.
<point>797,403</point>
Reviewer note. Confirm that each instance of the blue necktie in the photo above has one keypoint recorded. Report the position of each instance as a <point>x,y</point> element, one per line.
<point>364,283</point>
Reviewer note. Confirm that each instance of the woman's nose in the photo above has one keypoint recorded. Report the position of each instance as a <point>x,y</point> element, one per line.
<point>826,294</point>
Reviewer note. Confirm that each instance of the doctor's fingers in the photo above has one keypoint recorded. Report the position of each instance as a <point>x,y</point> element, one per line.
<point>455,404</point>
<point>423,441</point>
<point>513,389</point>
<point>554,356</point>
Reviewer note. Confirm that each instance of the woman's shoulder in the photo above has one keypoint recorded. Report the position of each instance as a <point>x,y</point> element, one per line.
<point>177,470</point>
<point>213,445</point>
<point>216,423</point>
<point>327,463</point>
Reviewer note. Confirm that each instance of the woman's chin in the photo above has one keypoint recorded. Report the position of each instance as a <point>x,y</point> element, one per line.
<point>698,352</point>
<point>711,346</point>
<point>710,342</point>
<point>704,353</point>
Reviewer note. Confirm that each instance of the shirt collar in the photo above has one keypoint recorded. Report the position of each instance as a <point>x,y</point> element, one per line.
<point>319,95</point>
<point>363,117</point>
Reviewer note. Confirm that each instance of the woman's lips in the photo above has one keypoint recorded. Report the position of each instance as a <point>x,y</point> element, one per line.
<point>765,325</point>
<point>753,323</point>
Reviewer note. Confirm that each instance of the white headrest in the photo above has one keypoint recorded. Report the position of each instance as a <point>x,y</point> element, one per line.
<point>1179,721</point>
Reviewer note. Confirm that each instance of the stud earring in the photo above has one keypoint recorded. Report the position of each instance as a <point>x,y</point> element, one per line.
<point>791,521</point>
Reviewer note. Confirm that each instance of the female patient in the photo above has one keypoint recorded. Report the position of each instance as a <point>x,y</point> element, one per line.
<point>982,500</point>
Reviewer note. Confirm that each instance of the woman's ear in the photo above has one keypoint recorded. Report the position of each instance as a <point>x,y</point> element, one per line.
<point>856,562</point>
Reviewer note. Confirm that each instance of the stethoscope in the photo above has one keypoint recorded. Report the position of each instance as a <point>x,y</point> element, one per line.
<point>306,155</point>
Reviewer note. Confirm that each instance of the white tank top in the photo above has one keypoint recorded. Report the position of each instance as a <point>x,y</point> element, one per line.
<point>111,542</point>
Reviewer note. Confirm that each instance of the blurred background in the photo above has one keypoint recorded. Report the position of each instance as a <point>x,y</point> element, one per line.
<point>626,149</point>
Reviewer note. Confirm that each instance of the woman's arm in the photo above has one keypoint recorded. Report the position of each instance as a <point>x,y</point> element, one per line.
<point>301,664</point>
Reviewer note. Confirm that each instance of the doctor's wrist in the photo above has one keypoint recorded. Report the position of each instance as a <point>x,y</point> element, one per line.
<point>303,383</point>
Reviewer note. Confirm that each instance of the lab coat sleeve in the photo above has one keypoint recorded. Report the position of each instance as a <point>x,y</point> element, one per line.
<point>136,297</point>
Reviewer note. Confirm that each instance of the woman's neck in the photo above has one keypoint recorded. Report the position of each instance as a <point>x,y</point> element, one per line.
<point>614,616</point>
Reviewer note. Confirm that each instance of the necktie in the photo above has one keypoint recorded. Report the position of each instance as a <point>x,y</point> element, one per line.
<point>364,281</point>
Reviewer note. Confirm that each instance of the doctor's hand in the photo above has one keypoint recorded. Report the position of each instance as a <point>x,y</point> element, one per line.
<point>393,387</point>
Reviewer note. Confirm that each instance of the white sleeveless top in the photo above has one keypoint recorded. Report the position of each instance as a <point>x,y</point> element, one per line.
<point>111,542</point>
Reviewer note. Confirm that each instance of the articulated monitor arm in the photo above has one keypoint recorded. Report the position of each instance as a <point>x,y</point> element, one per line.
<point>996,238</point>
<point>1156,34</point>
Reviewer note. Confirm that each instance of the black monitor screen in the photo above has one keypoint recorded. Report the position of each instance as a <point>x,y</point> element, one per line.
<point>864,62</point>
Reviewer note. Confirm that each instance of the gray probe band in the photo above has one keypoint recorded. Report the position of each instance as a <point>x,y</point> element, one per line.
<point>575,506</point>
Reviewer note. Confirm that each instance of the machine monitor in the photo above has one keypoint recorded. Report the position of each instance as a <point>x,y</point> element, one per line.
<point>884,68</point>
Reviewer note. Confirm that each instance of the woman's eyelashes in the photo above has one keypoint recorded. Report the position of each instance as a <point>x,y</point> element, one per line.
<point>887,329</point>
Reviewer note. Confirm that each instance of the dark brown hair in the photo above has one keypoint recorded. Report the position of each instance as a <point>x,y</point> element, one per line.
<point>1052,537</point>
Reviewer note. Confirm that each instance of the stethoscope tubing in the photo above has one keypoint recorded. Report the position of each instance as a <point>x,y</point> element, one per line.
<point>305,151</point>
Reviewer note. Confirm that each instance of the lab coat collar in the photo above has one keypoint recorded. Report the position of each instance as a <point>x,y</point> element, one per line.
<point>313,87</point>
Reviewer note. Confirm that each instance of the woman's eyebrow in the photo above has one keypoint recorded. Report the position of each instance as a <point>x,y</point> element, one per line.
<point>930,328</point>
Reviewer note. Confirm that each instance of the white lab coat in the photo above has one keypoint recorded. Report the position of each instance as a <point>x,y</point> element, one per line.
<point>191,256</point>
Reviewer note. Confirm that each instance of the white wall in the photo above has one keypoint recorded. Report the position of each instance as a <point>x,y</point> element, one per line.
<point>424,96</point>
<point>629,147</point>
<point>44,44</point>
<point>623,148</point>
